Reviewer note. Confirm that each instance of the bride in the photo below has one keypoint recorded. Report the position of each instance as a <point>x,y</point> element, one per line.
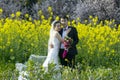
<point>55,40</point>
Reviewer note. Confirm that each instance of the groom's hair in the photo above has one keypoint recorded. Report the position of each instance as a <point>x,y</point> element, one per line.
<point>64,17</point>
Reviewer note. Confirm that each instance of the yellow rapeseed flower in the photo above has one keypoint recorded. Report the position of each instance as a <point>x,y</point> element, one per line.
<point>42,16</point>
<point>90,17</point>
<point>78,19</point>
<point>1,10</point>
<point>119,27</point>
<point>26,15</point>
<point>68,22</point>
<point>107,49</point>
<point>113,51</point>
<point>0,47</point>
<point>12,15</point>
<point>18,13</point>
<point>32,44</point>
<point>8,43</point>
<point>73,21</point>
<point>51,13</point>
<point>3,47</point>
<point>49,9</point>
<point>11,50</point>
<point>66,60</point>
<point>30,18</point>
<point>68,16</point>
<point>40,12</point>
<point>1,39</point>
<point>57,18</point>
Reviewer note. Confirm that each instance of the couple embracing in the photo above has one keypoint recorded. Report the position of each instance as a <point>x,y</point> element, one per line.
<point>62,44</point>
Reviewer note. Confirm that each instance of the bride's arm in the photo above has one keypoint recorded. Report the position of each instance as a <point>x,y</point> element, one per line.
<point>50,45</point>
<point>59,37</point>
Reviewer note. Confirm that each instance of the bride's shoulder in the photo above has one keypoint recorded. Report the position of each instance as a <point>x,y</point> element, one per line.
<point>56,33</point>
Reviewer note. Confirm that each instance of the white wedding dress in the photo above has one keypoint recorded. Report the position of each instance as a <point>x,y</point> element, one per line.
<point>52,56</point>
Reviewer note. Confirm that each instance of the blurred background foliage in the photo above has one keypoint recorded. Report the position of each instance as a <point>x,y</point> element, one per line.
<point>104,9</point>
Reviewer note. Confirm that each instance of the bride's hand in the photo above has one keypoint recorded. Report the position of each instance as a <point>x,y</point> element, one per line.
<point>51,46</point>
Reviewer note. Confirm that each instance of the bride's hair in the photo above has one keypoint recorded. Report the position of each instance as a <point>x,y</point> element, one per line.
<point>53,26</point>
<point>54,23</point>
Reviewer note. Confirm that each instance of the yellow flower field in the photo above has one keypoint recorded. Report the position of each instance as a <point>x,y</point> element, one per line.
<point>98,48</point>
<point>98,43</point>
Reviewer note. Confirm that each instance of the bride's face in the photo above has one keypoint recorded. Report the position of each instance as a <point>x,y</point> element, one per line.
<point>57,27</point>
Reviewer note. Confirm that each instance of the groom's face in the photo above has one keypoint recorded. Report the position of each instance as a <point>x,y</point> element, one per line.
<point>64,22</point>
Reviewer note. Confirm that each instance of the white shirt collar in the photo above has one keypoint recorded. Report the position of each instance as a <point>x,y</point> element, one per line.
<point>65,28</point>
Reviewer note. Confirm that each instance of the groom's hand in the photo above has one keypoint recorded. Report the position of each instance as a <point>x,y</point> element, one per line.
<point>51,46</point>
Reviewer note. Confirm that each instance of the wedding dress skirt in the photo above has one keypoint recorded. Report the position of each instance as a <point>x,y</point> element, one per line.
<point>52,56</point>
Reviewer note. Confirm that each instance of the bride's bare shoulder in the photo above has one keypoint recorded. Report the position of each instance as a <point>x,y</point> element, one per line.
<point>56,33</point>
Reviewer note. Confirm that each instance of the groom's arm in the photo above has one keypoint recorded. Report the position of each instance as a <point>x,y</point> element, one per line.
<point>75,37</point>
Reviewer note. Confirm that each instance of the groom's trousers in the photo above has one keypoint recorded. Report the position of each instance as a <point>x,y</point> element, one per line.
<point>69,60</point>
<point>62,61</point>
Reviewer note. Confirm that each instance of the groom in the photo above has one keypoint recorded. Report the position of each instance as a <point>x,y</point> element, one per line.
<point>69,60</point>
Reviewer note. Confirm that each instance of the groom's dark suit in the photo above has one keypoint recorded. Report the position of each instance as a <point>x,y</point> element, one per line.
<point>72,50</point>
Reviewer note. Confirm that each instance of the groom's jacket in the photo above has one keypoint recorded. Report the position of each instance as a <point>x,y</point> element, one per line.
<point>74,35</point>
